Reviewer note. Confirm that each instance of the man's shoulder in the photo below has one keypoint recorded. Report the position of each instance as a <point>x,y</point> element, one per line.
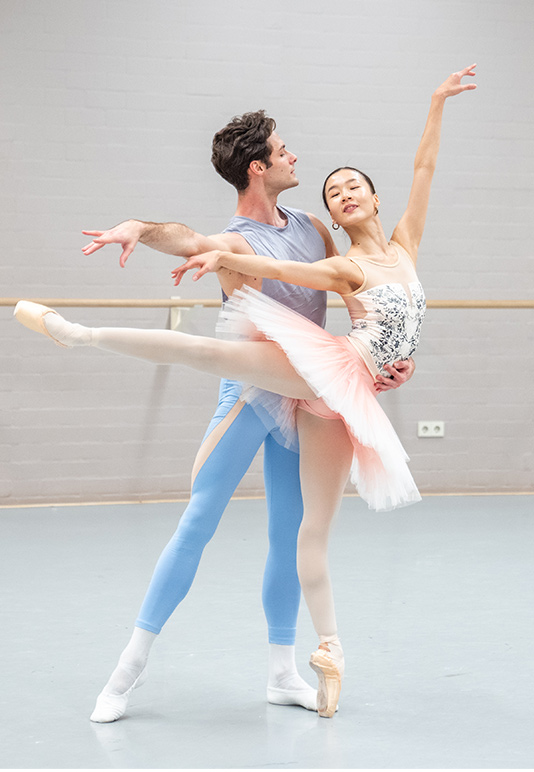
<point>304,217</point>
<point>235,242</point>
<point>293,212</point>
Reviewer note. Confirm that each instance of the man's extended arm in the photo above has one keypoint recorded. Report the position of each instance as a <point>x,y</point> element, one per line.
<point>170,237</point>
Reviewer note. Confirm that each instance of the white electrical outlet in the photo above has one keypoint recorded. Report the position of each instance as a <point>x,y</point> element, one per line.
<point>431,428</point>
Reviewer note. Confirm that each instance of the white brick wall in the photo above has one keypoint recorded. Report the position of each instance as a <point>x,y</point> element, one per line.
<point>108,109</point>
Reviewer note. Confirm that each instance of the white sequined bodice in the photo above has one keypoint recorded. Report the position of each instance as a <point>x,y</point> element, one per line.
<point>387,311</point>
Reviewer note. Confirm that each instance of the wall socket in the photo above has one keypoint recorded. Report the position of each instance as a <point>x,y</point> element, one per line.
<point>431,428</point>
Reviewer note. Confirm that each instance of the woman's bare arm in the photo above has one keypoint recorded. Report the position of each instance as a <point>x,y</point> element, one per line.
<point>337,274</point>
<point>409,230</point>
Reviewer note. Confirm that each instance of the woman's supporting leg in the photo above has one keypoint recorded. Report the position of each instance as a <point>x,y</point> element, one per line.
<point>261,363</point>
<point>325,460</point>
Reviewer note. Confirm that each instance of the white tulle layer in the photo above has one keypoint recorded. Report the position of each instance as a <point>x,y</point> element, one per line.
<point>336,372</point>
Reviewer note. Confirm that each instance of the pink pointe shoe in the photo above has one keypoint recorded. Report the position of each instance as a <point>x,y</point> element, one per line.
<point>31,315</point>
<point>330,673</point>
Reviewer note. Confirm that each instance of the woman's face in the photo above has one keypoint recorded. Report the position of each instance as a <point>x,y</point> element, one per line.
<point>349,198</point>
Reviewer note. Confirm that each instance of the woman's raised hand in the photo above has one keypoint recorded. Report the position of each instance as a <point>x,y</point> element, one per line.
<point>453,85</point>
<point>206,262</point>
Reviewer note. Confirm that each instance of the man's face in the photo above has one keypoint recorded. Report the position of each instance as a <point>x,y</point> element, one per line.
<point>281,174</point>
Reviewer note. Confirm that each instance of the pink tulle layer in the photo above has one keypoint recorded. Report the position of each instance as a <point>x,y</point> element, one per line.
<point>333,368</point>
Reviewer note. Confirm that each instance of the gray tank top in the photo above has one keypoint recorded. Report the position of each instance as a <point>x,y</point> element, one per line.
<point>298,240</point>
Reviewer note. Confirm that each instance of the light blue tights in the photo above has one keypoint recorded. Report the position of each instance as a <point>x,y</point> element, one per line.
<point>214,485</point>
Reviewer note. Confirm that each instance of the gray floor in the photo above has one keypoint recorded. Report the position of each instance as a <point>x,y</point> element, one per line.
<point>435,611</point>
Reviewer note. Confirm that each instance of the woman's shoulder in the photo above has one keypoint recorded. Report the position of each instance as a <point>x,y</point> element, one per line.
<point>397,245</point>
<point>402,252</point>
<point>410,254</point>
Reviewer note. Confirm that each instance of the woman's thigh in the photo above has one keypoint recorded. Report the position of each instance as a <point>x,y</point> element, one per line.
<point>260,363</point>
<point>325,460</point>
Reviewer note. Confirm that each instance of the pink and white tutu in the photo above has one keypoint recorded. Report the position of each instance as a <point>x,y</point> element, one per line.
<point>336,372</point>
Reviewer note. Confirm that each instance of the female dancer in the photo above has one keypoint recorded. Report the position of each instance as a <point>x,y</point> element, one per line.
<point>328,379</point>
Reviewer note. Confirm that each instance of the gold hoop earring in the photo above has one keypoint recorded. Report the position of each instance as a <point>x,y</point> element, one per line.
<point>335,226</point>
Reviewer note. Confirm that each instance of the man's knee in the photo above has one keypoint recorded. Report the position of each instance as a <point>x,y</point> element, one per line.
<point>197,526</point>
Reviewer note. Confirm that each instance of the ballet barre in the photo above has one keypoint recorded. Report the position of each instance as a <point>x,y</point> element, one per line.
<point>216,303</point>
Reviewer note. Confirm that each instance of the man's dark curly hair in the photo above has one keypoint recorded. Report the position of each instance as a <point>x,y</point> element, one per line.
<point>243,140</point>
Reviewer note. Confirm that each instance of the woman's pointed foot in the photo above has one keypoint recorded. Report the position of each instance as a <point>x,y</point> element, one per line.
<point>329,664</point>
<point>48,322</point>
<point>31,315</point>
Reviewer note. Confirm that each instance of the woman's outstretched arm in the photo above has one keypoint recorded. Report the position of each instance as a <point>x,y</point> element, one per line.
<point>336,274</point>
<point>409,230</point>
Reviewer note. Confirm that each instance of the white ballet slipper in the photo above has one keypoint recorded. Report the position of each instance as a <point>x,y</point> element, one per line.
<point>110,707</point>
<point>31,315</point>
<point>329,666</point>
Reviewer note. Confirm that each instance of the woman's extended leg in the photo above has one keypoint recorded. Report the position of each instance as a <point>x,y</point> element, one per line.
<point>325,460</point>
<point>261,363</point>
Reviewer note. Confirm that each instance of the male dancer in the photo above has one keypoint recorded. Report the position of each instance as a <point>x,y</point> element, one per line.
<point>250,155</point>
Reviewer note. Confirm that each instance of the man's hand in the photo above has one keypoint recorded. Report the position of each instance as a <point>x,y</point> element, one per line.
<point>127,234</point>
<point>206,262</point>
<point>400,372</point>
